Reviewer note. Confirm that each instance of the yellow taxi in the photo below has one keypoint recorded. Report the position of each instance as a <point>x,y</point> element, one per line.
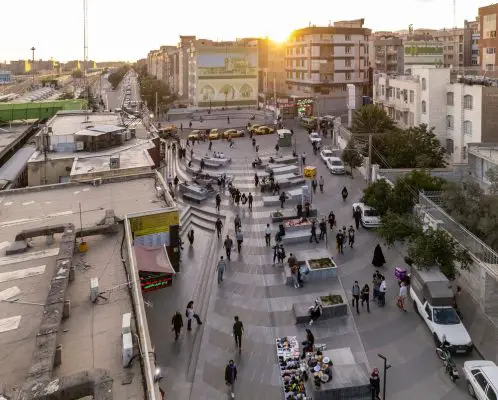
<point>253,128</point>
<point>214,134</point>
<point>263,130</point>
<point>194,135</point>
<point>233,133</point>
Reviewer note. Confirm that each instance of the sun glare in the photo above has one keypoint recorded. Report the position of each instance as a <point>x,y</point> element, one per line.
<point>279,36</point>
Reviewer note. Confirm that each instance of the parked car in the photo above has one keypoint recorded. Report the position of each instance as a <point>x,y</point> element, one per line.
<point>335,166</point>
<point>253,128</point>
<point>370,217</point>
<point>263,130</point>
<point>315,137</point>
<point>233,133</point>
<point>214,134</point>
<point>326,154</point>
<point>482,379</point>
<point>194,135</point>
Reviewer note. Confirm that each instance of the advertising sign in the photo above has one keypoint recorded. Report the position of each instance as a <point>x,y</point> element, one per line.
<point>310,172</point>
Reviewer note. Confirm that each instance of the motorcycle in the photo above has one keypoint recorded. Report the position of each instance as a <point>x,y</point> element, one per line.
<point>449,365</point>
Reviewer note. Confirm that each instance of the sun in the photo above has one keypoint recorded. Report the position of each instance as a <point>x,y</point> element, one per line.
<point>279,36</point>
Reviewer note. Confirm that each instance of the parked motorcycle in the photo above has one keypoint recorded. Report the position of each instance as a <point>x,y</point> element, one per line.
<point>450,367</point>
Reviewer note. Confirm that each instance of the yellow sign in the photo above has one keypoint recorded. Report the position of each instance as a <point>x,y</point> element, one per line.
<point>154,223</point>
<point>310,172</point>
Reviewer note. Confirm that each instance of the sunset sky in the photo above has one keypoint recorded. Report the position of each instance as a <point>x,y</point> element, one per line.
<point>126,29</point>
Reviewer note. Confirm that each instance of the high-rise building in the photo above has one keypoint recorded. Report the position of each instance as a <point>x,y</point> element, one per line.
<point>453,46</point>
<point>388,55</point>
<point>488,41</point>
<point>321,61</point>
<point>471,43</point>
<point>183,68</point>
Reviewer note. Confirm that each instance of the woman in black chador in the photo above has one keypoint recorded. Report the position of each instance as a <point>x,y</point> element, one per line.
<point>378,258</point>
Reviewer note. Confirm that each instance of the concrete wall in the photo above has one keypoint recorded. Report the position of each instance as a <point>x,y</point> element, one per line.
<point>51,171</point>
<point>489,128</point>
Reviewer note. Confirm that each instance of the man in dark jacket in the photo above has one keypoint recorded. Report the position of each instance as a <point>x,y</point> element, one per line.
<point>177,324</point>
<point>375,384</point>
<point>231,376</point>
<point>238,330</point>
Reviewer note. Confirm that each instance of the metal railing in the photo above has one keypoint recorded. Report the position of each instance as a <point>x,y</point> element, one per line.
<point>430,202</point>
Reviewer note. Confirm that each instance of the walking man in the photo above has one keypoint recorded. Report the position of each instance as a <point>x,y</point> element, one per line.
<point>189,313</point>
<point>365,296</point>
<point>221,269</point>
<point>351,236</point>
<point>355,291</point>
<point>382,292</point>
<point>282,199</point>
<point>340,241</point>
<point>228,244</point>
<point>218,202</point>
<point>323,229</point>
<point>250,200</point>
<point>177,324</point>
<point>320,183</point>
<point>237,222</point>
<point>357,217</point>
<point>313,232</point>
<point>268,235</point>
<point>240,238</point>
<point>238,330</point>
<point>402,296</point>
<point>303,158</point>
<point>219,226</point>
<point>231,376</point>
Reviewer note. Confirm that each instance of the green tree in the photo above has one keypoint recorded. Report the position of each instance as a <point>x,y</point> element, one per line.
<point>149,86</point>
<point>92,103</point>
<point>492,175</point>
<point>436,248</point>
<point>378,195</point>
<point>116,77</point>
<point>399,228</point>
<point>372,119</point>
<point>351,156</point>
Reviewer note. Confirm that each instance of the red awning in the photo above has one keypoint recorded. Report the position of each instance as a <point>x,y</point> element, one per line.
<point>153,259</point>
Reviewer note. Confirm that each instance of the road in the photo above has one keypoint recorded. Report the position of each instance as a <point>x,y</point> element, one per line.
<point>255,291</point>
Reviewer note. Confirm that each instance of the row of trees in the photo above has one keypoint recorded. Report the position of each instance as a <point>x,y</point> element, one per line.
<point>116,77</point>
<point>415,147</point>
<point>427,247</point>
<point>149,86</point>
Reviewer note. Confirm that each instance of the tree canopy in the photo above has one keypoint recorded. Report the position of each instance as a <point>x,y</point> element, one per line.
<point>351,156</point>
<point>149,86</point>
<point>371,118</point>
<point>116,77</point>
<point>492,175</point>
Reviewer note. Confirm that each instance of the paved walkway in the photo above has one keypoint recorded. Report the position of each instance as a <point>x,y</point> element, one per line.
<point>255,291</point>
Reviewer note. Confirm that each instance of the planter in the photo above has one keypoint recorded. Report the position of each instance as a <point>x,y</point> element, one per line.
<point>321,268</point>
<point>288,213</point>
<point>333,306</point>
<point>292,225</point>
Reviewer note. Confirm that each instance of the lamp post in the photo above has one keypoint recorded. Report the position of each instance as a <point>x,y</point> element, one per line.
<point>33,64</point>
<point>386,367</point>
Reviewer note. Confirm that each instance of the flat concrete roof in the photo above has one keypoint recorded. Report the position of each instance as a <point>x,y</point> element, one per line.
<point>9,134</point>
<point>91,336</point>
<point>489,153</point>
<point>68,123</point>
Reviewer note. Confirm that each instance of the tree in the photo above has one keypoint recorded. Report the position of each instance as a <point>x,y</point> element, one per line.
<point>378,195</point>
<point>77,73</point>
<point>416,147</point>
<point>92,103</point>
<point>351,156</point>
<point>372,119</point>
<point>149,86</point>
<point>492,175</point>
<point>399,228</point>
<point>436,248</point>
<point>116,77</point>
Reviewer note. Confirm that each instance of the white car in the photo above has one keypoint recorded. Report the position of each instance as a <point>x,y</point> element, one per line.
<point>326,154</point>
<point>482,379</point>
<point>335,166</point>
<point>315,138</point>
<point>369,217</point>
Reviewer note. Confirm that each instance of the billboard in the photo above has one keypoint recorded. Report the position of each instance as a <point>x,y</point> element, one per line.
<point>227,76</point>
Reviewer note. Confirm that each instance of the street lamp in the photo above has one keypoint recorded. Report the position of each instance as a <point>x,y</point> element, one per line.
<point>386,367</point>
<point>33,64</point>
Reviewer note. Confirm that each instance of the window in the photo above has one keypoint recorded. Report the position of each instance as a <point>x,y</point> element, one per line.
<point>490,50</point>
<point>490,34</point>
<point>397,93</point>
<point>412,96</point>
<point>467,102</point>
<point>383,90</point>
<point>424,107</point>
<point>490,67</point>
<point>491,393</point>
<point>424,84</point>
<point>449,121</point>
<point>348,37</point>
<point>449,98</point>
<point>473,62</point>
<point>347,49</point>
<point>475,52</point>
<point>480,379</point>
<point>347,63</point>
<point>467,127</point>
<point>348,76</point>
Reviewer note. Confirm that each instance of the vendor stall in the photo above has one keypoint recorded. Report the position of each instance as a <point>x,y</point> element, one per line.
<point>292,369</point>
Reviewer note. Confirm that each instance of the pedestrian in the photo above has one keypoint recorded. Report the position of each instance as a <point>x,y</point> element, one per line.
<point>210,145</point>
<point>237,222</point>
<point>355,291</point>
<point>293,269</point>
<point>331,219</point>
<point>282,199</point>
<point>365,296</point>
<point>190,124</point>
<point>190,237</point>
<point>277,148</point>
<point>376,281</point>
<point>378,257</point>
<point>402,296</point>
<point>313,185</point>
<point>382,292</point>
<point>323,229</point>
<point>228,244</point>
<point>228,120</point>
<point>218,202</point>
<point>344,193</point>
<point>375,384</point>
<point>313,232</point>
<point>231,376</point>
<point>268,235</point>
<point>357,217</point>
<point>189,313</point>
<point>219,226</point>
<point>176,181</point>
<point>250,199</point>
<point>275,251</point>
<point>351,236</point>
<point>237,197</point>
<point>181,127</point>
<point>256,180</point>
<point>240,239</point>
<point>320,183</point>
<point>308,344</point>
<point>339,238</point>
<point>177,324</point>
<point>238,330</point>
<point>222,265</point>
<point>303,158</point>
<point>243,199</point>
<point>292,260</point>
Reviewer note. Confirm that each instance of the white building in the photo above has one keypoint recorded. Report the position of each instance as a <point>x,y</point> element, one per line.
<point>455,109</point>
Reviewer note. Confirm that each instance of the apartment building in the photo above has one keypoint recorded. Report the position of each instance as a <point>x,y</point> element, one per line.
<point>275,74</point>
<point>422,50</point>
<point>183,65</point>
<point>321,61</point>
<point>471,38</point>
<point>488,41</point>
<point>388,55</point>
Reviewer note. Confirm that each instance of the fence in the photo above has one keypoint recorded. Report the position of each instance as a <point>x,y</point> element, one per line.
<point>431,202</point>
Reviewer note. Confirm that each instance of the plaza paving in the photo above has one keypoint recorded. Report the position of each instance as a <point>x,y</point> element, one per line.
<point>256,291</point>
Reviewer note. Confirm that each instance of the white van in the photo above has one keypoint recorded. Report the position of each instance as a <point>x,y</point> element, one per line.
<point>482,379</point>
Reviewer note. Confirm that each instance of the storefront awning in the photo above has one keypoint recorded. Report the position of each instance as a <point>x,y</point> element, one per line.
<point>153,259</point>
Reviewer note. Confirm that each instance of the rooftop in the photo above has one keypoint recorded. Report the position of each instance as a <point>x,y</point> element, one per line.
<point>10,134</point>
<point>489,153</point>
<point>91,336</point>
<point>15,164</point>
<point>70,122</point>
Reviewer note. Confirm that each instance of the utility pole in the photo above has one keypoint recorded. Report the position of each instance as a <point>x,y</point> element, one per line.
<point>386,367</point>
<point>369,170</point>
<point>157,109</point>
<point>33,64</point>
